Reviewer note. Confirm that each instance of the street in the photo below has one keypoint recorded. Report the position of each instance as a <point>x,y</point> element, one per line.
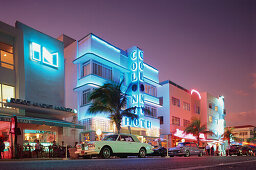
<point>193,162</point>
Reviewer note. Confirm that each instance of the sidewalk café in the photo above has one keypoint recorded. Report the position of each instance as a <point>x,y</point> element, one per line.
<point>46,131</point>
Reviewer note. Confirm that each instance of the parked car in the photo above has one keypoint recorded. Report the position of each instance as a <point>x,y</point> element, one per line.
<point>185,149</point>
<point>235,150</point>
<point>247,150</point>
<point>121,145</point>
<point>159,151</point>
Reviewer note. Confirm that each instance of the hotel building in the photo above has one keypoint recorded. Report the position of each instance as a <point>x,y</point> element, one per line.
<point>91,62</point>
<point>179,106</point>
<point>32,88</point>
<point>244,132</point>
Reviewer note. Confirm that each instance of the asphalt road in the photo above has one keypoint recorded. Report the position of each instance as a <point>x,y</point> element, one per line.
<point>205,162</point>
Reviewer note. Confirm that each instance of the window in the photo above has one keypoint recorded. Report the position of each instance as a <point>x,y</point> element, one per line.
<point>210,119</point>
<point>102,71</point>
<point>175,121</point>
<point>126,138</point>
<point>175,101</point>
<point>186,106</point>
<point>6,92</point>
<point>150,89</point>
<point>6,56</point>
<point>150,111</point>
<point>216,108</point>
<point>86,97</point>
<point>86,69</point>
<point>122,78</point>
<point>197,109</point>
<point>161,118</point>
<point>161,102</point>
<point>186,122</point>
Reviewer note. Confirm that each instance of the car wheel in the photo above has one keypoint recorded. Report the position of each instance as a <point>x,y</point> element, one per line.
<point>200,154</point>
<point>187,154</point>
<point>105,153</point>
<point>142,153</point>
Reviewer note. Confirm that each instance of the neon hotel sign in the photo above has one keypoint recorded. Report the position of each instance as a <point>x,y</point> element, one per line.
<point>181,134</point>
<point>137,79</point>
<point>41,54</point>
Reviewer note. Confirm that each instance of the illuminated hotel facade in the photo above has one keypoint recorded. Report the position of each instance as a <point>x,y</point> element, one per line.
<point>181,105</point>
<point>91,62</point>
<point>32,88</point>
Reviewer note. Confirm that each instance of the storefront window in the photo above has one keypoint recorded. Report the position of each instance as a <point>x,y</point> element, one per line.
<point>45,138</point>
<point>6,92</point>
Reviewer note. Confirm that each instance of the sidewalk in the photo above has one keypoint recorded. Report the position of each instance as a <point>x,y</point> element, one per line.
<point>31,159</point>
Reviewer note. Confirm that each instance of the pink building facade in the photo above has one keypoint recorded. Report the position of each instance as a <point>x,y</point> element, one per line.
<point>179,107</point>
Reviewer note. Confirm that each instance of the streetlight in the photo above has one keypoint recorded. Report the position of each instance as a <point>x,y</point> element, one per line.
<point>99,132</point>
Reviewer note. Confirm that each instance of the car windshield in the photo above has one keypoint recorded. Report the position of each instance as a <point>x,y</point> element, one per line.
<point>180,145</point>
<point>110,138</point>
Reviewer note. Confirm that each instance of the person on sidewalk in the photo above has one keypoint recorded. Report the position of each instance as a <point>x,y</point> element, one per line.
<point>208,149</point>
<point>37,148</point>
<point>2,146</point>
<point>212,151</point>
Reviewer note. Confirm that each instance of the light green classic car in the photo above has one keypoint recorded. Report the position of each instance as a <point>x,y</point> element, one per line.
<point>121,145</point>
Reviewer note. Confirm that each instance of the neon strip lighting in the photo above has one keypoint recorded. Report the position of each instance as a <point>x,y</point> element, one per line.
<point>181,134</point>
<point>105,43</point>
<point>194,91</point>
<point>150,67</point>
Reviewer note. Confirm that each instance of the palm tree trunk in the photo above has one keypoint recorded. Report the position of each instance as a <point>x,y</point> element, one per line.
<point>198,140</point>
<point>118,126</point>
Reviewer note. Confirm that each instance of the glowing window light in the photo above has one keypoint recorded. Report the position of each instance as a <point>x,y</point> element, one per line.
<point>50,59</point>
<point>195,91</point>
<point>105,43</point>
<point>35,51</point>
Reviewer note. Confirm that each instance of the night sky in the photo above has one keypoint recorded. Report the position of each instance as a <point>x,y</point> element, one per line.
<point>209,45</point>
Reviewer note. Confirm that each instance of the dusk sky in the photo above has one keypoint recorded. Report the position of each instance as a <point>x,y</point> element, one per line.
<point>208,45</point>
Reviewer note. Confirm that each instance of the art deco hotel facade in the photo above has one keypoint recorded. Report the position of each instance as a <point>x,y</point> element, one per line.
<point>46,83</point>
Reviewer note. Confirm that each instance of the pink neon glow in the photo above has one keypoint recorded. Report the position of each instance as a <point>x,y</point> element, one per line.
<point>181,134</point>
<point>195,91</point>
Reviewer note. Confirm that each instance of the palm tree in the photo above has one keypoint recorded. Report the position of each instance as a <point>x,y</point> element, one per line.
<point>228,134</point>
<point>196,128</point>
<point>110,98</point>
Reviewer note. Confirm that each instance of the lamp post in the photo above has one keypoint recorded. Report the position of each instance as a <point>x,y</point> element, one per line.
<point>167,155</point>
<point>99,132</point>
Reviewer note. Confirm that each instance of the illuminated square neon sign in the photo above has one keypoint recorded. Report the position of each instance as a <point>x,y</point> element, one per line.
<point>43,55</point>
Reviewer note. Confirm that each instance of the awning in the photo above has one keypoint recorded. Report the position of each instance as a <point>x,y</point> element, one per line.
<point>41,121</point>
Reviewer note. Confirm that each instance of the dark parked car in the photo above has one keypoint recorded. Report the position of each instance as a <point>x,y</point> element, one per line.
<point>247,150</point>
<point>235,150</point>
<point>159,151</point>
<point>185,149</point>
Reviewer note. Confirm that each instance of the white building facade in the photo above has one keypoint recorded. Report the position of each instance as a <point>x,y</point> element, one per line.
<point>98,62</point>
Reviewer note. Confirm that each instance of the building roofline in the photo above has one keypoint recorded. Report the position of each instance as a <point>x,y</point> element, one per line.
<point>242,126</point>
<point>174,84</point>
<point>18,22</point>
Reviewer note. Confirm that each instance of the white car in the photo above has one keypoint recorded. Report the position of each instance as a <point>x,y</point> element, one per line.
<point>121,145</point>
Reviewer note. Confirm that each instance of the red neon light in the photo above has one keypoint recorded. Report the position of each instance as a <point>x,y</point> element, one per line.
<point>195,91</point>
<point>181,134</point>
